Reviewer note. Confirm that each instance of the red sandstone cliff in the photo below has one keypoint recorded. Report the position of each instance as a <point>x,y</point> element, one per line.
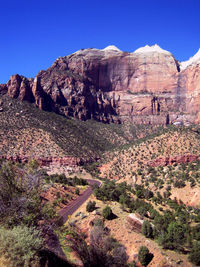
<point>147,86</point>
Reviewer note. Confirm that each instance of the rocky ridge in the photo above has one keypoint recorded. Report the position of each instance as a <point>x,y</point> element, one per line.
<point>148,86</point>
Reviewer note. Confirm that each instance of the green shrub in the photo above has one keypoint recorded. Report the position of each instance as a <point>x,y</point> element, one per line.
<point>153,213</point>
<point>107,213</point>
<point>124,200</point>
<point>176,233</point>
<point>194,256</point>
<point>20,197</point>
<point>147,229</point>
<point>148,194</point>
<point>62,179</point>
<point>90,206</point>
<point>179,183</point>
<point>77,192</point>
<point>196,232</point>
<point>102,250</point>
<point>174,237</point>
<point>20,245</point>
<point>144,256</point>
<point>112,192</point>
<point>142,211</point>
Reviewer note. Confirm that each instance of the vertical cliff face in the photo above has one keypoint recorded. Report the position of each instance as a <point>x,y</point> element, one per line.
<point>190,75</point>
<point>112,70</point>
<point>146,86</point>
<point>192,79</point>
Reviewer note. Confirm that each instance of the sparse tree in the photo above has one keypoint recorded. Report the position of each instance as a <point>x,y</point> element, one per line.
<point>90,206</point>
<point>144,256</point>
<point>77,192</point>
<point>107,213</point>
<point>20,245</point>
<point>20,200</point>
<point>147,229</point>
<point>194,256</point>
<point>103,251</point>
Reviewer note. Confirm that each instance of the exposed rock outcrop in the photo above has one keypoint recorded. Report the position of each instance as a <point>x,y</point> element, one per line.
<point>20,87</point>
<point>47,161</point>
<point>172,160</point>
<point>148,86</point>
<point>135,222</point>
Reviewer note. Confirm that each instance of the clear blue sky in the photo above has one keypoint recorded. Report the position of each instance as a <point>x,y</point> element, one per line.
<point>35,32</point>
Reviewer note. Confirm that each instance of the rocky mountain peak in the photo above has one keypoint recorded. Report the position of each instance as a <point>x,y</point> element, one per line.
<point>146,86</point>
<point>193,60</point>
<point>111,48</point>
<point>150,49</point>
<point>106,52</point>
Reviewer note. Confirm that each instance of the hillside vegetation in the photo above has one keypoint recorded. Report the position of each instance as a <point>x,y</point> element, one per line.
<point>26,130</point>
<point>136,178</point>
<point>126,161</point>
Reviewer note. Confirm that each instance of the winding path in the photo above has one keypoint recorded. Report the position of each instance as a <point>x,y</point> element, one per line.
<point>75,204</point>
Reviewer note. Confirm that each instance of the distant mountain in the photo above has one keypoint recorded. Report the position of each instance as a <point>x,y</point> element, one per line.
<point>148,86</point>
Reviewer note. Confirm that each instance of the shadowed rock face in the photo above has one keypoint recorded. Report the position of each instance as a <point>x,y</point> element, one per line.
<point>109,85</point>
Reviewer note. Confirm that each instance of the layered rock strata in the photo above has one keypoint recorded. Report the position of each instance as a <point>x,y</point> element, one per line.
<point>47,161</point>
<point>148,86</point>
<point>164,161</point>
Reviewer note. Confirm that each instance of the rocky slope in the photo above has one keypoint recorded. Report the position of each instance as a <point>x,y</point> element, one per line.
<point>171,157</point>
<point>148,86</point>
<point>27,132</point>
<point>167,147</point>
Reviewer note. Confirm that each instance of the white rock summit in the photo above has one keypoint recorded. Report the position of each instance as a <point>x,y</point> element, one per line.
<point>193,60</point>
<point>150,49</point>
<point>108,85</point>
<point>111,47</point>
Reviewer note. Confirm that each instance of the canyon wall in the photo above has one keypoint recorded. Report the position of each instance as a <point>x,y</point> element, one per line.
<point>148,86</point>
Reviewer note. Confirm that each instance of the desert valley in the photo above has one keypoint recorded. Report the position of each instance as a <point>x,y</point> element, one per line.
<point>100,161</point>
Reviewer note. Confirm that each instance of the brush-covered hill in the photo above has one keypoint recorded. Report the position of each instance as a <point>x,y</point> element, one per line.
<point>164,144</point>
<point>158,162</point>
<point>163,160</point>
<point>29,132</point>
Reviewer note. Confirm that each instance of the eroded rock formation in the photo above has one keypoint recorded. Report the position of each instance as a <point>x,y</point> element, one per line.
<point>148,86</point>
<point>47,161</point>
<point>164,161</point>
